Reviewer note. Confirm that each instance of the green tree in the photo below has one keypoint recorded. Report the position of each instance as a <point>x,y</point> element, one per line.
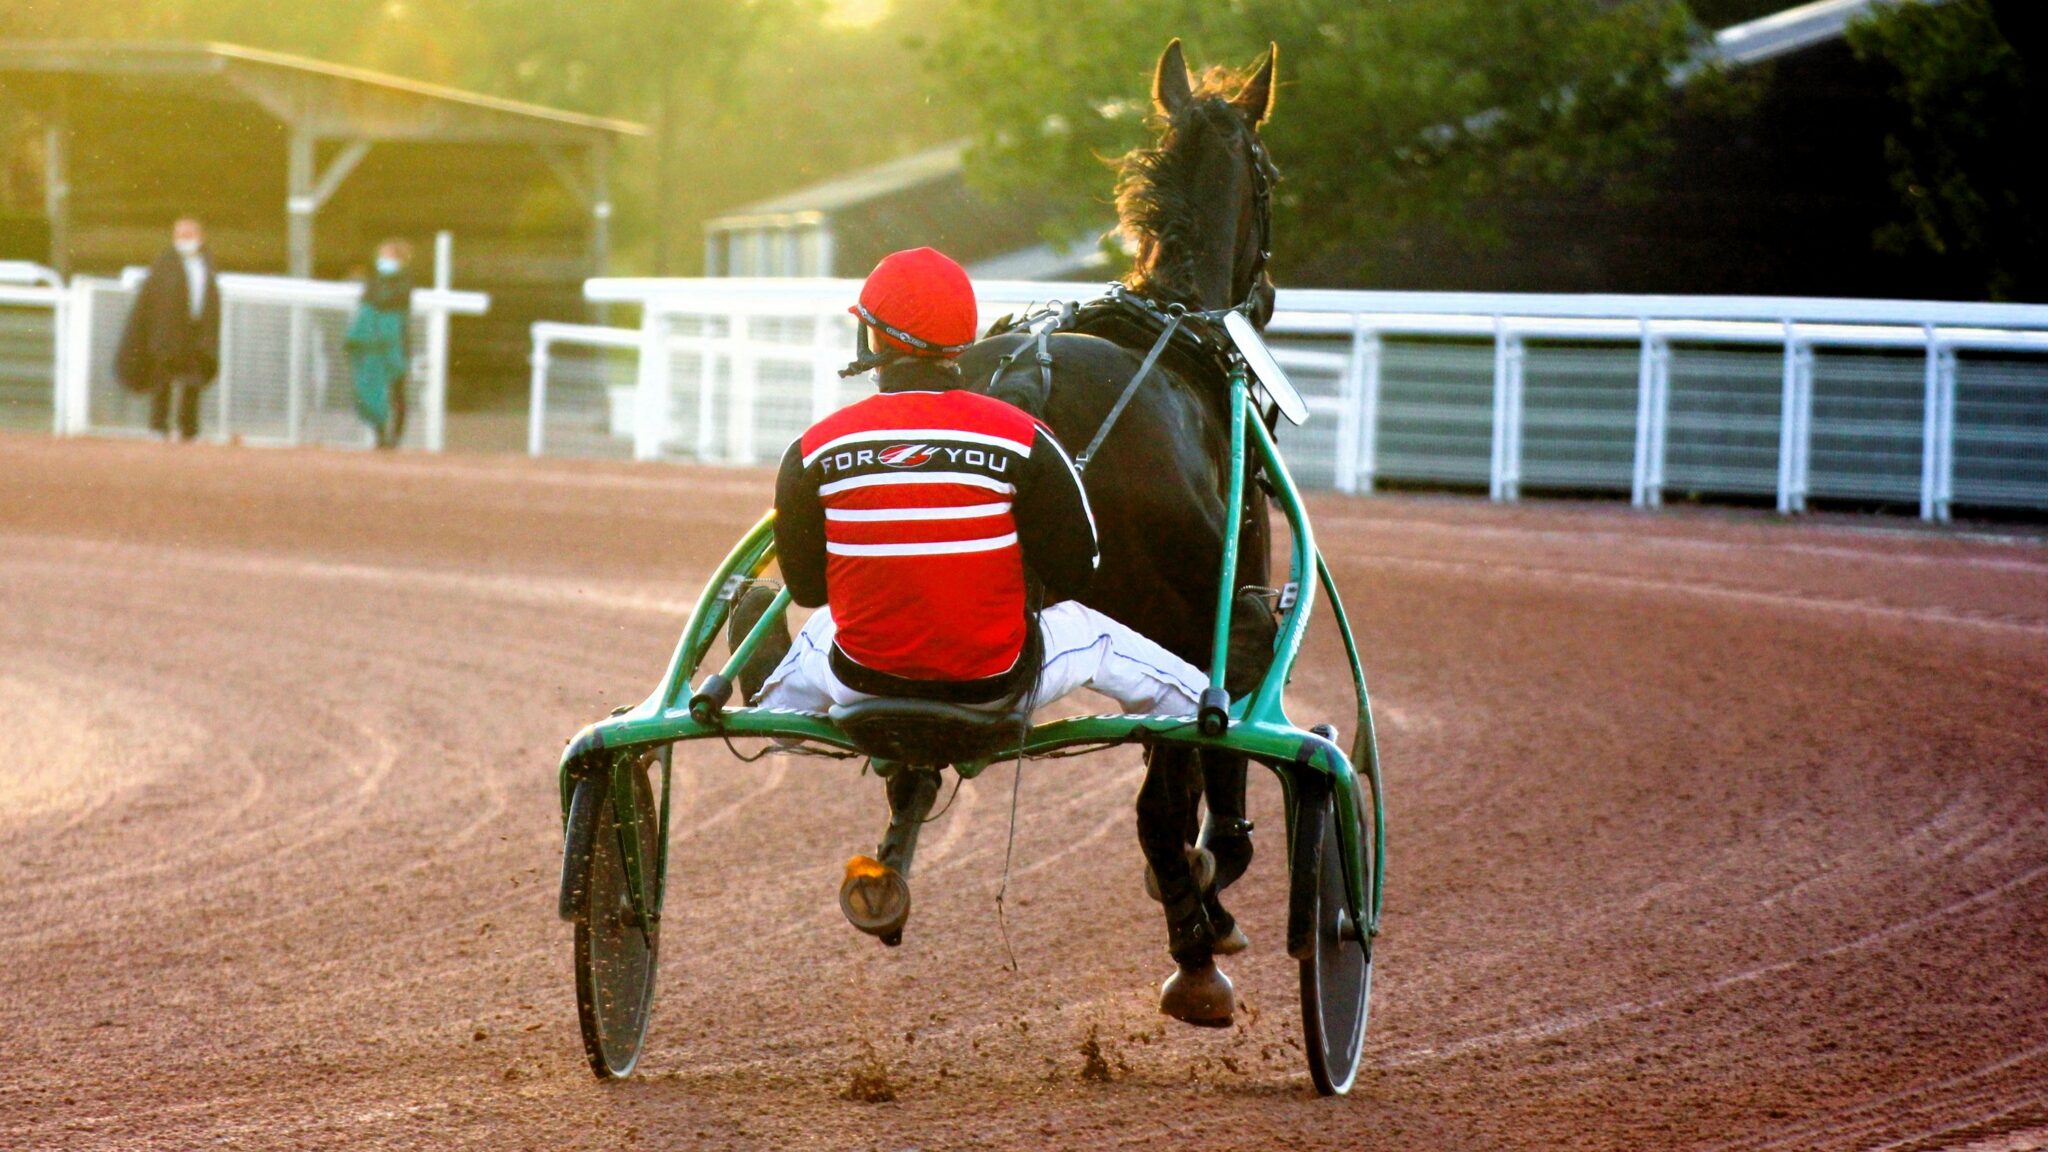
<point>1391,114</point>
<point>1963,146</point>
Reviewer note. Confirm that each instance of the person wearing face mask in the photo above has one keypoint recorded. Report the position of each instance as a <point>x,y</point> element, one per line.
<point>170,350</point>
<point>378,345</point>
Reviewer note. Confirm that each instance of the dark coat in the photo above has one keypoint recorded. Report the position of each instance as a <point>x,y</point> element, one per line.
<point>163,341</point>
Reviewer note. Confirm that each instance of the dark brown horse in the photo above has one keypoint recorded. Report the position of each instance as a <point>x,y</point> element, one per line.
<point>1198,204</point>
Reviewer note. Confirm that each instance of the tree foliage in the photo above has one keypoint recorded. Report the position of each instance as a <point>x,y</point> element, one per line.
<point>1391,113</point>
<point>1963,149</point>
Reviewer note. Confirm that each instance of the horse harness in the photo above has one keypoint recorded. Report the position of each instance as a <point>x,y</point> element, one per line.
<point>1203,345</point>
<point>1196,339</point>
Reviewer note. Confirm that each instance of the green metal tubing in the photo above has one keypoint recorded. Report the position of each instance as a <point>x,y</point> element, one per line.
<point>626,825</point>
<point>1365,749</point>
<point>1267,703</point>
<point>668,758</point>
<point>1233,521</point>
<point>751,557</point>
<point>1268,700</point>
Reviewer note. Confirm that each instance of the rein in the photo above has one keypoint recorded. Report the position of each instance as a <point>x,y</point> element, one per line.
<point>1175,312</point>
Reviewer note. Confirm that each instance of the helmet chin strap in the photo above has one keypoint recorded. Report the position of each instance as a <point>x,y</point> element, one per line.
<point>868,359</point>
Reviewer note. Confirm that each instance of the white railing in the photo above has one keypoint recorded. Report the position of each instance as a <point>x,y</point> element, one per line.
<point>284,375</point>
<point>31,290</point>
<point>1781,398</point>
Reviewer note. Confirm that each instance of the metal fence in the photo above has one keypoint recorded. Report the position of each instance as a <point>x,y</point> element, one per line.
<point>1872,401</point>
<point>33,309</point>
<point>284,373</point>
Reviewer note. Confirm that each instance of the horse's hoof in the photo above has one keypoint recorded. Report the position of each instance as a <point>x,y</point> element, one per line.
<point>1201,862</point>
<point>1233,943</point>
<point>1199,996</point>
<point>875,899</point>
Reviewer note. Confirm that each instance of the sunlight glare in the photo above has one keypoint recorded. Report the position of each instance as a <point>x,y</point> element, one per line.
<point>856,13</point>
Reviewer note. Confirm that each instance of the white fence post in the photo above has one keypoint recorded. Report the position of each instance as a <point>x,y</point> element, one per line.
<point>437,345</point>
<point>537,396</point>
<point>300,352</point>
<point>1350,387</point>
<point>1653,383</point>
<point>77,382</point>
<point>1930,426</point>
<point>652,395</point>
<point>1795,422</point>
<point>1371,352</point>
<point>225,383</point>
<point>1945,464</point>
<point>1507,413</point>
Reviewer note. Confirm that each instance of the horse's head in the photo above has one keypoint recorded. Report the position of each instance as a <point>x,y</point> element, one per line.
<point>1199,202</point>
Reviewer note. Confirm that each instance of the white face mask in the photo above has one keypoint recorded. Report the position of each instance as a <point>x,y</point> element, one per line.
<point>388,265</point>
<point>186,247</point>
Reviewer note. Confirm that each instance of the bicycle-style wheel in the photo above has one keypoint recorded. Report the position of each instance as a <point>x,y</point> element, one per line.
<point>615,952</point>
<point>1336,964</point>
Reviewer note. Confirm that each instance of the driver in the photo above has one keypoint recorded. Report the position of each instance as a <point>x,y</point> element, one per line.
<point>943,536</point>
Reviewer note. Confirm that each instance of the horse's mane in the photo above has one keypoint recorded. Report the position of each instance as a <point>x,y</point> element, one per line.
<point>1155,192</point>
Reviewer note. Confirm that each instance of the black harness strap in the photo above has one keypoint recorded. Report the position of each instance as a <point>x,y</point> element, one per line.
<point>1044,361</point>
<point>1131,389</point>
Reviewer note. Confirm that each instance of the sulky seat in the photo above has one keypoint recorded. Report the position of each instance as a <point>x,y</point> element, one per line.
<point>929,732</point>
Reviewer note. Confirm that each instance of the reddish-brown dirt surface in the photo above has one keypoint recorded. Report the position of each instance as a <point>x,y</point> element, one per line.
<point>1707,832</point>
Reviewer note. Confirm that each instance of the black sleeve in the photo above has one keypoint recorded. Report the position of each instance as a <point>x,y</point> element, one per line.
<point>1054,525</point>
<point>799,530</point>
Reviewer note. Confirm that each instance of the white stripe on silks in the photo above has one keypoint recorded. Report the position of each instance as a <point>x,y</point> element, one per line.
<point>914,435</point>
<point>970,479</point>
<point>1095,555</point>
<point>930,548</point>
<point>876,515</point>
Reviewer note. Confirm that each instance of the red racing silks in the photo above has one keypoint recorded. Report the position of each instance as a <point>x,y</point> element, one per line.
<point>923,566</point>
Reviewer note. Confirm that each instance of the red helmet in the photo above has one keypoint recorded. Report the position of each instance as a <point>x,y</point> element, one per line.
<point>921,303</point>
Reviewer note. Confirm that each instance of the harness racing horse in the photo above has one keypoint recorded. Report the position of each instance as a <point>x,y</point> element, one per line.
<point>1199,205</point>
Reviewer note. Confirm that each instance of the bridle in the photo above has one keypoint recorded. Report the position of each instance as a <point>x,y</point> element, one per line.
<point>1263,174</point>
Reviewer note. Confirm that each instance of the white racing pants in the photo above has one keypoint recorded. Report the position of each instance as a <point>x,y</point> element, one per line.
<point>1083,649</point>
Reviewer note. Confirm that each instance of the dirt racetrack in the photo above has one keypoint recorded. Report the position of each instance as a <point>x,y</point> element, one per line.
<point>1707,832</point>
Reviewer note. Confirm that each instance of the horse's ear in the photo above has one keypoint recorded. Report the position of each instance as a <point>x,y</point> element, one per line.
<point>1171,90</point>
<point>1255,99</point>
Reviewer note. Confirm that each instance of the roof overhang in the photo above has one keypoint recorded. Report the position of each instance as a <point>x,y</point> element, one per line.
<point>315,97</point>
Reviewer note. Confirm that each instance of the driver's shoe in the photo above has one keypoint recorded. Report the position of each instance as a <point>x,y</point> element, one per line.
<point>1254,626</point>
<point>875,899</point>
<point>747,610</point>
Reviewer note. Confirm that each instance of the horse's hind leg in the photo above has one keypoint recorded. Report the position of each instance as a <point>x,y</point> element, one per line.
<point>1227,836</point>
<point>1198,992</point>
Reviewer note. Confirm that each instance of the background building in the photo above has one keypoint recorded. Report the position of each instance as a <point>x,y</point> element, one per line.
<point>300,167</point>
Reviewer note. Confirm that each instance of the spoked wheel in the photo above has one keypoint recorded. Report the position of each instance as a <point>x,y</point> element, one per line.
<point>1336,964</point>
<point>615,953</point>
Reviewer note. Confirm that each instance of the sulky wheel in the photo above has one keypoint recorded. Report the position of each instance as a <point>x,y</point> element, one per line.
<point>615,957</point>
<point>1336,965</point>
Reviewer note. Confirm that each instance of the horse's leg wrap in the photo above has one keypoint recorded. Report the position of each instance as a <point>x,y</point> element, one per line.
<point>1166,803</point>
<point>911,793</point>
<point>1225,832</point>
